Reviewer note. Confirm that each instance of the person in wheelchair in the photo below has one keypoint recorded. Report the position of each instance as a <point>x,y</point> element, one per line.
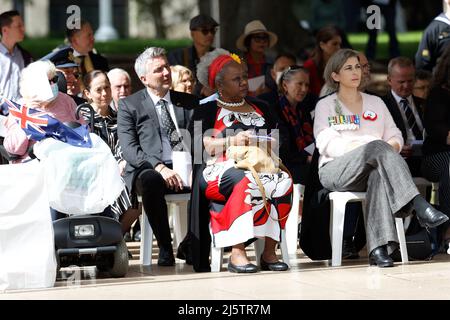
<point>59,106</point>
<point>359,147</point>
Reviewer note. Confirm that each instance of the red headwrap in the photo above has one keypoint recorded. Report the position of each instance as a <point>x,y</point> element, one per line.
<point>215,67</point>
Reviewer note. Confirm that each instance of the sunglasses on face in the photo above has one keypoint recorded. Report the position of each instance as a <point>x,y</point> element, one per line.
<point>205,31</point>
<point>53,80</point>
<point>261,38</point>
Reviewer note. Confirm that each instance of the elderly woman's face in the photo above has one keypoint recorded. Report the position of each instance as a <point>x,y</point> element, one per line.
<point>100,91</point>
<point>234,86</point>
<point>297,86</point>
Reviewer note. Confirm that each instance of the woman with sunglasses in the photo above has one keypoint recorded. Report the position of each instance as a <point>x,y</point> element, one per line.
<point>255,41</point>
<point>58,105</point>
<point>231,197</point>
<point>359,146</point>
<point>293,87</point>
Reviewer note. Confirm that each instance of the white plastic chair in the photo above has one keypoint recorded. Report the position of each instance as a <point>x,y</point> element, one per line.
<point>177,207</point>
<point>337,214</point>
<point>217,253</point>
<point>292,220</point>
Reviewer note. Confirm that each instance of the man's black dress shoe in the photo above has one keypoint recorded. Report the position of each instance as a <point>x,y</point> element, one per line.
<point>273,266</point>
<point>166,258</point>
<point>380,257</point>
<point>348,249</point>
<point>431,217</point>
<point>248,268</point>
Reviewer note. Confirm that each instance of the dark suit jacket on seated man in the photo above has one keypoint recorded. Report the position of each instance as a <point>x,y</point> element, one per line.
<point>406,110</point>
<point>148,127</point>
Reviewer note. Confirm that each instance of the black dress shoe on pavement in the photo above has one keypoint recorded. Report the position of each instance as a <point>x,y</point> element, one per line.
<point>166,258</point>
<point>273,266</point>
<point>348,249</point>
<point>248,268</point>
<point>380,258</point>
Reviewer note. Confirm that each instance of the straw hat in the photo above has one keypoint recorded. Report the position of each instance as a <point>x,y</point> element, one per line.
<point>255,26</point>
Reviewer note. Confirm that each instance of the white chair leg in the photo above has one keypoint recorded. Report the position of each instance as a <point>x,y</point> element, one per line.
<point>284,248</point>
<point>175,208</point>
<point>259,249</point>
<point>337,230</point>
<point>216,259</point>
<point>402,240</point>
<point>292,221</point>
<point>146,248</point>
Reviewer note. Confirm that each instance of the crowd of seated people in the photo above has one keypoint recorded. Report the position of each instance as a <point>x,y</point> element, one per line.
<point>364,142</point>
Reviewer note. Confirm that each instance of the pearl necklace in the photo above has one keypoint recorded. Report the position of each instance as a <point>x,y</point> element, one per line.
<point>231,104</point>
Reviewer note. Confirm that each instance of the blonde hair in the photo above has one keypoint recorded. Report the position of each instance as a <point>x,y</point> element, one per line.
<point>178,72</point>
<point>335,64</point>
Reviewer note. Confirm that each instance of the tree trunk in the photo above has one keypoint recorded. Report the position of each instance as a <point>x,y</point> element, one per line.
<point>277,16</point>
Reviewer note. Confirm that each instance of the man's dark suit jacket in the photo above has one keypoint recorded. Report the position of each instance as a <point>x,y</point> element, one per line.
<point>392,105</point>
<point>140,133</point>
<point>99,62</point>
<point>414,162</point>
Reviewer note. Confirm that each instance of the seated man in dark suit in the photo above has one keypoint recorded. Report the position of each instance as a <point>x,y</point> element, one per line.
<point>149,123</point>
<point>82,42</point>
<point>406,109</point>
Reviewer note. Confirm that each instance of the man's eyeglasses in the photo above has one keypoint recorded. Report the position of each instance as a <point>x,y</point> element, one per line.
<point>53,80</point>
<point>205,31</point>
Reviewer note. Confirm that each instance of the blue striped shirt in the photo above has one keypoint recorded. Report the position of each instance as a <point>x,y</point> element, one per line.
<point>10,67</point>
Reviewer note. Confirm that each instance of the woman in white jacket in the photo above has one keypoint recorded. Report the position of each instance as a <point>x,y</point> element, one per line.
<point>359,148</point>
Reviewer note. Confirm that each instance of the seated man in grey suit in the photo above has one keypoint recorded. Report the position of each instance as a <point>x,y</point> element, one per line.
<point>406,109</point>
<point>149,123</point>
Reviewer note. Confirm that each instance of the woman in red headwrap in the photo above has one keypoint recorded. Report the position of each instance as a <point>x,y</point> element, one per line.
<point>236,208</point>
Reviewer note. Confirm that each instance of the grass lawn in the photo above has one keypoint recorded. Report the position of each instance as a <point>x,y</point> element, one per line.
<point>39,47</point>
<point>409,42</point>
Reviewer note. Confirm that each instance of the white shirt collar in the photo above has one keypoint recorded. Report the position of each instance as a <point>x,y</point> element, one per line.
<point>156,99</point>
<point>398,98</point>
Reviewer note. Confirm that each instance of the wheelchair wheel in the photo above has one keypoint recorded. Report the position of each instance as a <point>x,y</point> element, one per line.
<point>120,261</point>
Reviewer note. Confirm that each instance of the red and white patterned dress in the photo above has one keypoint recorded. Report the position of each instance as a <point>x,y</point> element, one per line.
<point>236,206</point>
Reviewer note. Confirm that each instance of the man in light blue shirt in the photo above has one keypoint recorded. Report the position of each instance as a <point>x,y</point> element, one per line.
<point>12,57</point>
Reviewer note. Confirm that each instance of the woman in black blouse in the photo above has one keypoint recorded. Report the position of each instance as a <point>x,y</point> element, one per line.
<point>98,92</point>
<point>436,147</point>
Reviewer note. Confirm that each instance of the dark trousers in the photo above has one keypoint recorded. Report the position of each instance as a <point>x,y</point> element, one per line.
<point>388,12</point>
<point>151,186</point>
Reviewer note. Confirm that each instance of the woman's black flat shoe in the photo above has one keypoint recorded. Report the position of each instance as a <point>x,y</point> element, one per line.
<point>273,266</point>
<point>248,268</point>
